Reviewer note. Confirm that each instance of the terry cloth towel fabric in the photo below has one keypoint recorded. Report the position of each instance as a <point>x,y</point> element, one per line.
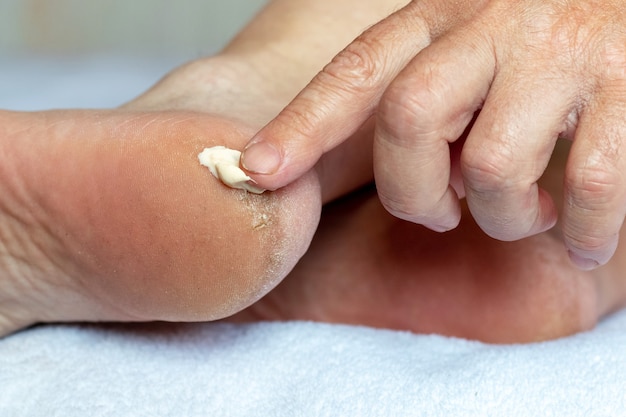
<point>306,369</point>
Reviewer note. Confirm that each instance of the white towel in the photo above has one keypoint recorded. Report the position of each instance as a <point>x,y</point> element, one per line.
<point>306,369</point>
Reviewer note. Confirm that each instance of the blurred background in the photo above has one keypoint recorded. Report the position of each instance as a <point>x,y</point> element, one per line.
<point>45,45</point>
<point>138,27</point>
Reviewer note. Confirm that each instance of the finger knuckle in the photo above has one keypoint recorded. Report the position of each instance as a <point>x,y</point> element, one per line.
<point>357,68</point>
<point>301,121</point>
<point>406,106</point>
<point>592,186</point>
<point>487,172</point>
<point>416,107</point>
<point>587,240</point>
<point>592,192</point>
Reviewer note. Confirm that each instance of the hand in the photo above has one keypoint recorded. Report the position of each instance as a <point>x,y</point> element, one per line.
<point>368,268</point>
<point>524,71</point>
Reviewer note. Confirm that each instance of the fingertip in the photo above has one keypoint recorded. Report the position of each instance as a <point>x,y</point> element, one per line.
<point>548,215</point>
<point>445,217</point>
<point>581,262</point>
<point>587,260</point>
<point>447,225</point>
<point>271,166</point>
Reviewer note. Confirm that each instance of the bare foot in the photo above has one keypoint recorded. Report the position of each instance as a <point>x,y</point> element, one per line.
<point>367,267</point>
<point>107,215</point>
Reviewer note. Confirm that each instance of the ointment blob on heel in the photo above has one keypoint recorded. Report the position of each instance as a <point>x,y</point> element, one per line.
<point>224,165</point>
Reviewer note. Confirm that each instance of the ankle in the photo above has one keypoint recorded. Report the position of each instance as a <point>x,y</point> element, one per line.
<point>231,86</point>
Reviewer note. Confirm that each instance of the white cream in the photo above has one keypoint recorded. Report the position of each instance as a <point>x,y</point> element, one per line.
<point>224,165</point>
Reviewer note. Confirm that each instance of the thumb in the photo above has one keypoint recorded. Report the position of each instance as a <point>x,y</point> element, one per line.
<point>336,102</point>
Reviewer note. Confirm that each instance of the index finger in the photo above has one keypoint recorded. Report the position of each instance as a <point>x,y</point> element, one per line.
<point>337,101</point>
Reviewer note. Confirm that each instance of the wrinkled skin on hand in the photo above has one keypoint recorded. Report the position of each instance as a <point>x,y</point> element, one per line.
<point>514,75</point>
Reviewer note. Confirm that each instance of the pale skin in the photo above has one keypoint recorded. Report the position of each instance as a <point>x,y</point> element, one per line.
<point>520,73</point>
<point>108,216</point>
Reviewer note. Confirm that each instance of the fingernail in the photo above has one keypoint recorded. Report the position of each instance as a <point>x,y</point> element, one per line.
<point>440,228</point>
<point>585,264</point>
<point>445,226</point>
<point>261,158</point>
